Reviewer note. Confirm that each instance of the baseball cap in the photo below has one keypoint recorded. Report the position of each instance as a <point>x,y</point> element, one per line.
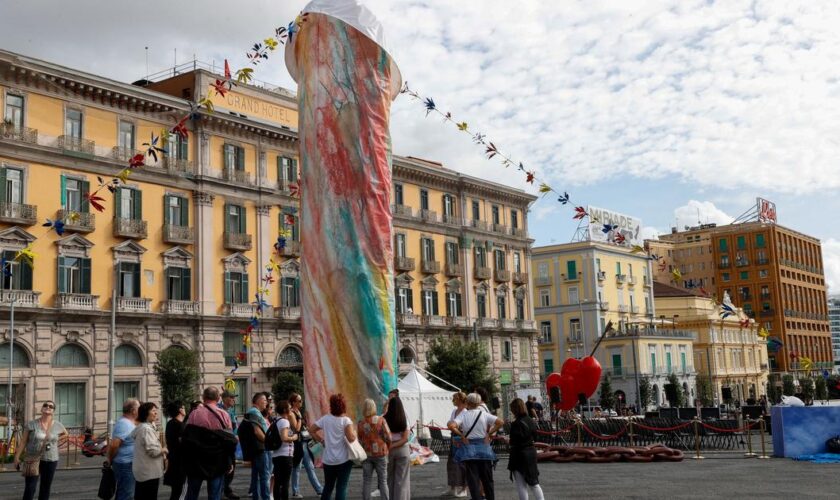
<point>229,394</point>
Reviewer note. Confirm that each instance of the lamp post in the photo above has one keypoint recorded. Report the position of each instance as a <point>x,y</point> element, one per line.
<point>9,398</point>
<point>111,347</point>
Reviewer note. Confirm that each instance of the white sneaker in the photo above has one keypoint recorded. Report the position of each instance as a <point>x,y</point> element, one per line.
<point>462,493</point>
<point>375,494</point>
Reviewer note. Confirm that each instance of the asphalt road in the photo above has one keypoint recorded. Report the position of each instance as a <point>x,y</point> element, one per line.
<point>720,475</point>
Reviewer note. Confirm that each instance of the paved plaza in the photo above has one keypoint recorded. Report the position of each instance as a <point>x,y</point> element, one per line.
<point>720,475</point>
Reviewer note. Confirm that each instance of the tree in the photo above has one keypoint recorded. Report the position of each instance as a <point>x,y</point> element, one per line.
<point>607,396</point>
<point>772,392</point>
<point>462,364</point>
<point>645,394</point>
<point>788,387</point>
<point>679,396</point>
<point>820,389</point>
<point>286,383</point>
<point>177,374</point>
<point>806,384</point>
<point>834,387</point>
<point>704,391</point>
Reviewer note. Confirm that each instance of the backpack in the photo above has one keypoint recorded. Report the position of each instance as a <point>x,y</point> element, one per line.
<point>272,438</point>
<point>248,440</point>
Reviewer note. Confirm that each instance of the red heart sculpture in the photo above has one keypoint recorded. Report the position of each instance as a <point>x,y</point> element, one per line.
<point>576,377</point>
<point>589,375</point>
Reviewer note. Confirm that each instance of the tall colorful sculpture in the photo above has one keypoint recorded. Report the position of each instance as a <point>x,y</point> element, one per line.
<point>346,82</point>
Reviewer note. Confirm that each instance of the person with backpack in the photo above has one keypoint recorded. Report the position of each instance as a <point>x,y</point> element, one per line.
<point>208,444</point>
<point>280,442</point>
<point>375,437</point>
<point>252,432</point>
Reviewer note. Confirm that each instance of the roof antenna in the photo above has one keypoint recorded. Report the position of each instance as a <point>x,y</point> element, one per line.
<point>147,64</point>
<point>175,62</point>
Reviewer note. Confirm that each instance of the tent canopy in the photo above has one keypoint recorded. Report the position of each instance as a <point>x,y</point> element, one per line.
<point>421,396</point>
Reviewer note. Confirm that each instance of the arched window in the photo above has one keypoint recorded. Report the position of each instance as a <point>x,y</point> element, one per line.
<point>290,356</point>
<point>406,355</point>
<point>127,355</point>
<point>71,356</point>
<point>21,359</point>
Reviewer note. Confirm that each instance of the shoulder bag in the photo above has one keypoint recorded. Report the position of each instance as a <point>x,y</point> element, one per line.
<point>474,449</point>
<point>355,451</point>
<point>32,465</point>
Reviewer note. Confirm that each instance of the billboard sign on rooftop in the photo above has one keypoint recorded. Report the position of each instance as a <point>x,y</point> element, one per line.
<point>628,226</point>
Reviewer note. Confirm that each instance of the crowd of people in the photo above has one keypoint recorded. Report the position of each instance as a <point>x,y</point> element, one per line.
<point>199,447</point>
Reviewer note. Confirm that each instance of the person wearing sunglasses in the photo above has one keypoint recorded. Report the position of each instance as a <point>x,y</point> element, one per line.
<point>40,443</point>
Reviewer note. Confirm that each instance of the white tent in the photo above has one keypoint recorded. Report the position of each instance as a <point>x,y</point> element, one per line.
<point>424,400</point>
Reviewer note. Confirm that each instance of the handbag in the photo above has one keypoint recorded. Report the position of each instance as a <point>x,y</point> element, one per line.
<point>32,465</point>
<point>108,483</point>
<point>474,449</point>
<point>355,452</point>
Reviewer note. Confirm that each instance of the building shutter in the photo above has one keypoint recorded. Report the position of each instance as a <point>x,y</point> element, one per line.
<point>2,184</point>
<point>295,174</point>
<point>296,293</point>
<point>185,211</point>
<point>240,158</point>
<point>166,199</point>
<point>245,292</point>
<point>243,223</point>
<point>183,149</point>
<point>25,272</point>
<point>84,286</point>
<point>228,297</point>
<point>410,298</point>
<point>62,283</point>
<point>571,269</point>
<point>118,204</point>
<point>448,305</point>
<point>84,203</point>
<point>63,192</point>
<point>186,283</point>
<point>137,198</point>
<point>435,310</point>
<point>228,221</point>
<point>227,151</point>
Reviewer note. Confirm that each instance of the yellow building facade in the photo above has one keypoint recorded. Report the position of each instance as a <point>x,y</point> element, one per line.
<point>186,239</point>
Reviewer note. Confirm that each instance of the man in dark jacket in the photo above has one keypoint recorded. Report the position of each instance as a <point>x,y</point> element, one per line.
<point>208,444</point>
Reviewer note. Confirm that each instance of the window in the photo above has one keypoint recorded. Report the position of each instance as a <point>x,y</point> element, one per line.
<point>70,356</point>
<point>233,349</point>
<point>542,270</point>
<point>574,296</point>
<point>448,205</point>
<point>683,367</point>
<point>424,199</point>
<point>495,212</point>
<point>667,359</point>
<point>453,304</point>
<point>18,276</point>
<point>21,359</point>
<point>177,147</point>
<point>73,192</point>
<point>598,265</point>
<point>236,288</point>
<point>480,256</point>
<point>525,350</point>
<point>290,224</point>
<point>73,275</point>
<point>481,305</point>
<point>235,219</point>
<point>405,302</point>
<point>406,355</point>
<point>451,252</point>
<point>241,403</point>
<point>70,404</point>
<point>724,276</point>
<point>499,258</point>
<point>123,391</point>
<point>545,298</point>
<point>400,244</point>
<point>73,124</point>
<point>759,241</point>
<point>520,308</point>
<point>574,330</point>
<point>127,355</point>
<point>398,194</point>
<point>430,303</point>
<point>178,283</point>
<point>476,212</point>
<point>652,360</point>
<point>176,210</point>
<point>616,365</point>
<point>427,249</point>
<point>11,185</point>
<point>234,157</point>
<point>14,111</point>
<point>287,169</point>
<point>517,263</point>
<point>129,203</point>
<point>126,136</point>
<point>129,273</point>
<point>571,270</point>
<point>548,365</point>
<point>744,275</point>
<point>507,351</point>
<point>514,219</point>
<point>18,393</point>
<point>290,292</point>
<point>501,305</point>
<point>741,242</point>
<point>722,245</point>
<point>630,269</point>
<point>545,330</point>
<point>618,268</point>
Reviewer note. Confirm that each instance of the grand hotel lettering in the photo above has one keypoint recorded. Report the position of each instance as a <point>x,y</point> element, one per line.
<point>253,106</point>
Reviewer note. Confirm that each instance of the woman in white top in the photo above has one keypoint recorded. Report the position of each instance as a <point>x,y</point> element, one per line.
<point>335,431</point>
<point>149,455</point>
<point>283,457</point>
<point>475,425</point>
<point>399,478</point>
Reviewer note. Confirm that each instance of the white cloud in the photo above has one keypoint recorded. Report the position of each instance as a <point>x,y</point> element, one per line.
<point>700,212</point>
<point>650,233</point>
<point>831,264</point>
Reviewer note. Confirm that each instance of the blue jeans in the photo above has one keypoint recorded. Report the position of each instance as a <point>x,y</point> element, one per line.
<point>260,475</point>
<point>214,487</point>
<point>125,480</point>
<point>310,471</point>
<point>336,477</point>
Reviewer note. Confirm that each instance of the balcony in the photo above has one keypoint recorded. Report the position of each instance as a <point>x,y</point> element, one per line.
<point>177,166</point>
<point>604,306</point>
<point>79,222</point>
<point>742,262</point>
<point>525,324</point>
<point>77,302</point>
<point>646,281</point>
<point>76,146</point>
<point>122,154</point>
<point>239,177</point>
<point>18,213</point>
<point>724,264</point>
<point>520,278</point>
<point>458,321</point>
<point>239,310</point>
<point>573,277</point>
<point>180,307</point>
<point>428,320</point>
<point>518,232</point>
<point>428,215</point>
<point>403,263</point>
<point>289,313</point>
<point>621,278</point>
<point>501,275</point>
<point>602,275</point>
<point>130,228</point>
<point>134,305</point>
<point>292,248</point>
<point>623,308</point>
<point>482,273</point>
<point>509,324</point>
<point>451,220</point>
<point>479,224</point>
<point>765,296</point>
<point>486,323</point>
<point>183,235</point>
<point>453,270</point>
<point>237,241</point>
<point>766,313</point>
<point>634,309</point>
<point>22,298</point>
<point>408,319</point>
<point>403,210</point>
<point>746,297</point>
<point>762,262</point>
<point>500,228</point>
<point>429,266</point>
<point>631,280</point>
<point>19,134</point>
<point>543,280</point>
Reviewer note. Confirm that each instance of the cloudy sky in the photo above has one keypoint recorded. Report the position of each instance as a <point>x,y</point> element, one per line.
<point>672,111</point>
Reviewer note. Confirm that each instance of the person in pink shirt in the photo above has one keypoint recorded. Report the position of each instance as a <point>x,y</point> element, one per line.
<point>209,443</point>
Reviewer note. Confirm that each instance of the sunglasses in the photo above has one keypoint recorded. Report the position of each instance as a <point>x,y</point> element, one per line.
<point>47,405</point>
